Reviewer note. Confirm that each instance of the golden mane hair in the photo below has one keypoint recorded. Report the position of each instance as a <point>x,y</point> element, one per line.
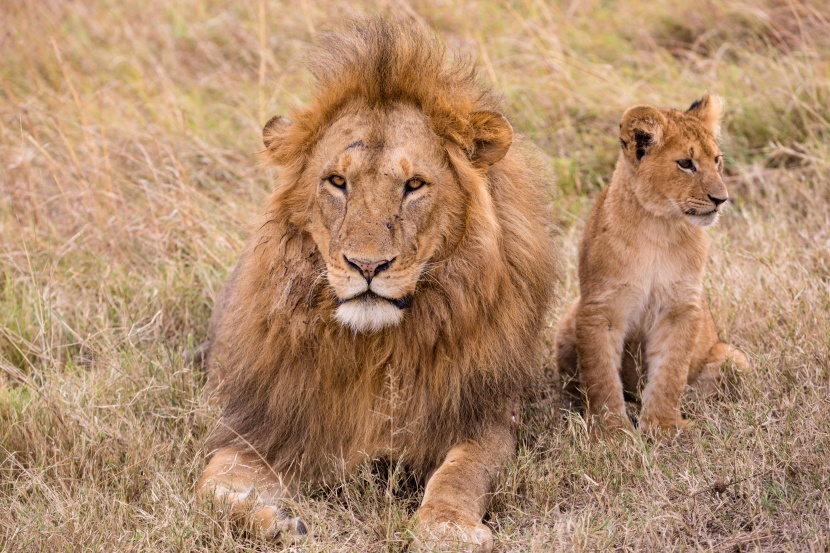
<point>377,63</point>
<point>303,390</point>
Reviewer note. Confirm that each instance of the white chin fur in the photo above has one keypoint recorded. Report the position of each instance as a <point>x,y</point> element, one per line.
<point>362,315</point>
<point>704,220</point>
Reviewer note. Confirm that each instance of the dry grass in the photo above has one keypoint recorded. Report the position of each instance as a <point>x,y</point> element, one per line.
<point>127,140</point>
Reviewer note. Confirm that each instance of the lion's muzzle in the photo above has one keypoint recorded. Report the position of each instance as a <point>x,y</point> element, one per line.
<point>375,301</point>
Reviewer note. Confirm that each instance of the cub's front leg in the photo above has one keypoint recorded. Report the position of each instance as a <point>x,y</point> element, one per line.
<point>669,349</point>
<point>600,336</point>
<point>458,492</point>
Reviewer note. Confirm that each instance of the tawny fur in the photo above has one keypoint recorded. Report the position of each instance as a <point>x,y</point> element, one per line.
<point>642,314</point>
<point>436,388</point>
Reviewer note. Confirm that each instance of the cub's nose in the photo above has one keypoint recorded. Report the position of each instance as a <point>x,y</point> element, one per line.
<point>715,200</point>
<point>369,267</point>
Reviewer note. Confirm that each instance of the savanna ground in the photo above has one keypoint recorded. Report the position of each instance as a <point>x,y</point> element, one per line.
<point>128,133</point>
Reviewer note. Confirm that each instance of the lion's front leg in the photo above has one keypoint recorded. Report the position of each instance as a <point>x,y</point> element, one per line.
<point>252,491</point>
<point>458,492</point>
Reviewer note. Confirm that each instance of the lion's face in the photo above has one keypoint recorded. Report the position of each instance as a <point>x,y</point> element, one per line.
<point>677,159</point>
<point>385,203</point>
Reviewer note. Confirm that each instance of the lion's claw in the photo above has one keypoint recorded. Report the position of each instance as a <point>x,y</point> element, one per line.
<point>279,529</point>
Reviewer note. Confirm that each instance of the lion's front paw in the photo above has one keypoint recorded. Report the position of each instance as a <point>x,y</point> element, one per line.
<point>272,525</point>
<point>452,536</point>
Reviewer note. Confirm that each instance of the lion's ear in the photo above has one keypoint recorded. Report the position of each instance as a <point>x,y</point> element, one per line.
<point>709,110</point>
<point>641,130</point>
<point>273,129</point>
<point>493,137</point>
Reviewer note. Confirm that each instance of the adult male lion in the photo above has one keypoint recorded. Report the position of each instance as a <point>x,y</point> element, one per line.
<point>391,304</point>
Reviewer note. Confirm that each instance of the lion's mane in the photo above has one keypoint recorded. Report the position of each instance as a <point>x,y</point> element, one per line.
<point>300,388</point>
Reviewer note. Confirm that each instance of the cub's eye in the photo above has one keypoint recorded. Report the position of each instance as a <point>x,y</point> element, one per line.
<point>337,181</point>
<point>413,184</point>
<point>686,164</point>
<point>719,161</point>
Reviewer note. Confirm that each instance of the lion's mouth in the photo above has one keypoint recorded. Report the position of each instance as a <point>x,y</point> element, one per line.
<point>695,213</point>
<point>368,295</point>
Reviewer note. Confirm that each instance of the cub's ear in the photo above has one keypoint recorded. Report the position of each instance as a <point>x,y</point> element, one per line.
<point>493,137</point>
<point>709,110</point>
<point>641,130</point>
<point>273,129</point>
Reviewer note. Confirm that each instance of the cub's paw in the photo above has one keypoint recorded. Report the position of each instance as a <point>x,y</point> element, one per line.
<point>270,524</point>
<point>732,372</point>
<point>452,536</point>
<point>609,425</point>
<point>739,359</point>
<point>663,427</point>
<point>723,373</point>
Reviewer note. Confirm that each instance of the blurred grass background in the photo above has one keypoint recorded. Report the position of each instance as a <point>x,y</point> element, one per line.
<point>128,176</point>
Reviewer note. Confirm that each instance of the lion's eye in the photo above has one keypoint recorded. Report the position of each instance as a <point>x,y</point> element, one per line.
<point>719,161</point>
<point>413,184</point>
<point>686,164</point>
<point>337,181</point>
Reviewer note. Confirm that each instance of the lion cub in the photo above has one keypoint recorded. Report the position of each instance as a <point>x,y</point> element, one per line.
<point>642,313</point>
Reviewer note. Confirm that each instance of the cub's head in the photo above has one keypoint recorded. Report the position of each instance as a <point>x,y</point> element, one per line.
<point>385,199</point>
<point>675,160</point>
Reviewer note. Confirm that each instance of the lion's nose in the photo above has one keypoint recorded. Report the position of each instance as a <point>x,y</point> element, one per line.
<point>715,200</point>
<point>369,267</point>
